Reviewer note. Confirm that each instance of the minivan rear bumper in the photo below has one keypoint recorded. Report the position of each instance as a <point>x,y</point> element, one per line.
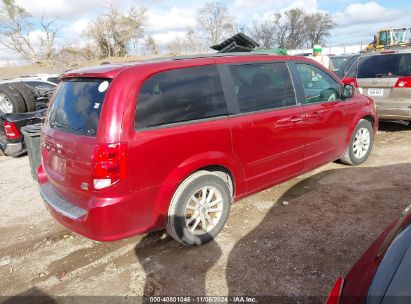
<point>109,219</point>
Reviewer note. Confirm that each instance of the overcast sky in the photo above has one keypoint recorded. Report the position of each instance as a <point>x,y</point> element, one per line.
<point>357,20</point>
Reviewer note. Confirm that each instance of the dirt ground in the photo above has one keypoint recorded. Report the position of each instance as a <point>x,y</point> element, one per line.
<point>268,247</point>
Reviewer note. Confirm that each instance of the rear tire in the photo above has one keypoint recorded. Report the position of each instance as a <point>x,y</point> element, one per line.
<point>11,100</point>
<point>28,95</point>
<point>360,145</point>
<point>199,209</point>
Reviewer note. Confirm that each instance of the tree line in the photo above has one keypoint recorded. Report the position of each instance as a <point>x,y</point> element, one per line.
<point>116,32</point>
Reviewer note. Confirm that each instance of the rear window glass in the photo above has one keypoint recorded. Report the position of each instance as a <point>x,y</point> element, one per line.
<point>388,65</point>
<point>53,79</point>
<point>180,95</point>
<point>77,105</point>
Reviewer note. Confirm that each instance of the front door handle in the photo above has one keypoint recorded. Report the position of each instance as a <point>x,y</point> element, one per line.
<point>314,115</point>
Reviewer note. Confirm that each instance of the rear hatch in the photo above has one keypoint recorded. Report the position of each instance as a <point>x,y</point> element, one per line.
<point>386,78</point>
<point>69,137</point>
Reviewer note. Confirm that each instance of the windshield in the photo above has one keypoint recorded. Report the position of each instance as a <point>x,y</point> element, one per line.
<point>339,62</point>
<point>388,65</point>
<point>398,35</point>
<point>408,35</point>
<point>77,105</point>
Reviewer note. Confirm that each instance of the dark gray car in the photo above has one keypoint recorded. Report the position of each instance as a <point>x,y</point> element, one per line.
<point>342,63</point>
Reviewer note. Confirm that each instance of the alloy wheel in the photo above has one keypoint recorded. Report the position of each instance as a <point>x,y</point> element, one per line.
<point>204,210</point>
<point>361,143</point>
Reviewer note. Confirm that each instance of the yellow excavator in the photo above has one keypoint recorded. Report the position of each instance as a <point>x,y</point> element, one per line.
<point>388,38</point>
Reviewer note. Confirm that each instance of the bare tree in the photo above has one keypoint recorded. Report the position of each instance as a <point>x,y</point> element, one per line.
<point>295,19</point>
<point>70,56</point>
<point>175,46</point>
<point>317,27</point>
<point>15,28</point>
<point>281,32</point>
<point>191,43</point>
<point>99,33</point>
<point>48,37</point>
<point>295,28</point>
<point>113,31</point>
<point>216,22</point>
<point>264,33</point>
<point>150,45</point>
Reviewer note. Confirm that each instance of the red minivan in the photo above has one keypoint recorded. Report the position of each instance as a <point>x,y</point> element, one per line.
<point>132,148</point>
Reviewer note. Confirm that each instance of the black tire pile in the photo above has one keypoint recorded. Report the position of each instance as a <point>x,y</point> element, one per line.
<point>20,95</point>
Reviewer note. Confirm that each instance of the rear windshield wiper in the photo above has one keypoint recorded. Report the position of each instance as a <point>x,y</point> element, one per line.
<point>60,125</point>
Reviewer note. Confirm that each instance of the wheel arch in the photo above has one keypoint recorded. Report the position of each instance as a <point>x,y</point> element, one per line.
<point>222,172</point>
<point>360,116</point>
<point>219,163</point>
<point>370,118</point>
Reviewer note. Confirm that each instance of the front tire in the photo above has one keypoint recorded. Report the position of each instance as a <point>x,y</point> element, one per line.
<point>360,145</point>
<point>199,209</point>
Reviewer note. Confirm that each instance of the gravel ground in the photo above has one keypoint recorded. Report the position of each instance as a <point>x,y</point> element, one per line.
<point>293,239</point>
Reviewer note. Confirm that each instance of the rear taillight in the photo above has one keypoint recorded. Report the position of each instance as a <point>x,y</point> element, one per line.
<point>335,293</point>
<point>403,82</point>
<point>11,130</point>
<point>351,81</point>
<point>109,164</point>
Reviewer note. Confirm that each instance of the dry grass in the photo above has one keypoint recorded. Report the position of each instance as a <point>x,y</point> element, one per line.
<point>9,72</point>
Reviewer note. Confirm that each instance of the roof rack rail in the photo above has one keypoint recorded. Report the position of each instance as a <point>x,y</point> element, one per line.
<point>211,55</point>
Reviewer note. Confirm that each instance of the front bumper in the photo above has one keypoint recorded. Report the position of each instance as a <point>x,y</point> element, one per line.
<point>107,219</point>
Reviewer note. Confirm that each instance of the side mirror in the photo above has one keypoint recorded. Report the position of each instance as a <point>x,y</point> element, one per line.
<point>348,91</point>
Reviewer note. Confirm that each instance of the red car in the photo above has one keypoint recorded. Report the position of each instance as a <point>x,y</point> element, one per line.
<point>132,148</point>
<point>382,274</point>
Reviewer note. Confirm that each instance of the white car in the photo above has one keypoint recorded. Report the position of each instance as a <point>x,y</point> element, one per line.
<point>53,78</point>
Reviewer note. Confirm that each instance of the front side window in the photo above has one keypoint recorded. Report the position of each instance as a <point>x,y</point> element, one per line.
<point>318,86</point>
<point>385,38</point>
<point>180,95</point>
<point>262,86</point>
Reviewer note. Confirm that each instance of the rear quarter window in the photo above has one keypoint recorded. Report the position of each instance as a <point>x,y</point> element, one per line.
<point>180,95</point>
<point>77,105</point>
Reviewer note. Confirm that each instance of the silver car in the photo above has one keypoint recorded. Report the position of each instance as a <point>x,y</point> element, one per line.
<point>386,78</point>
